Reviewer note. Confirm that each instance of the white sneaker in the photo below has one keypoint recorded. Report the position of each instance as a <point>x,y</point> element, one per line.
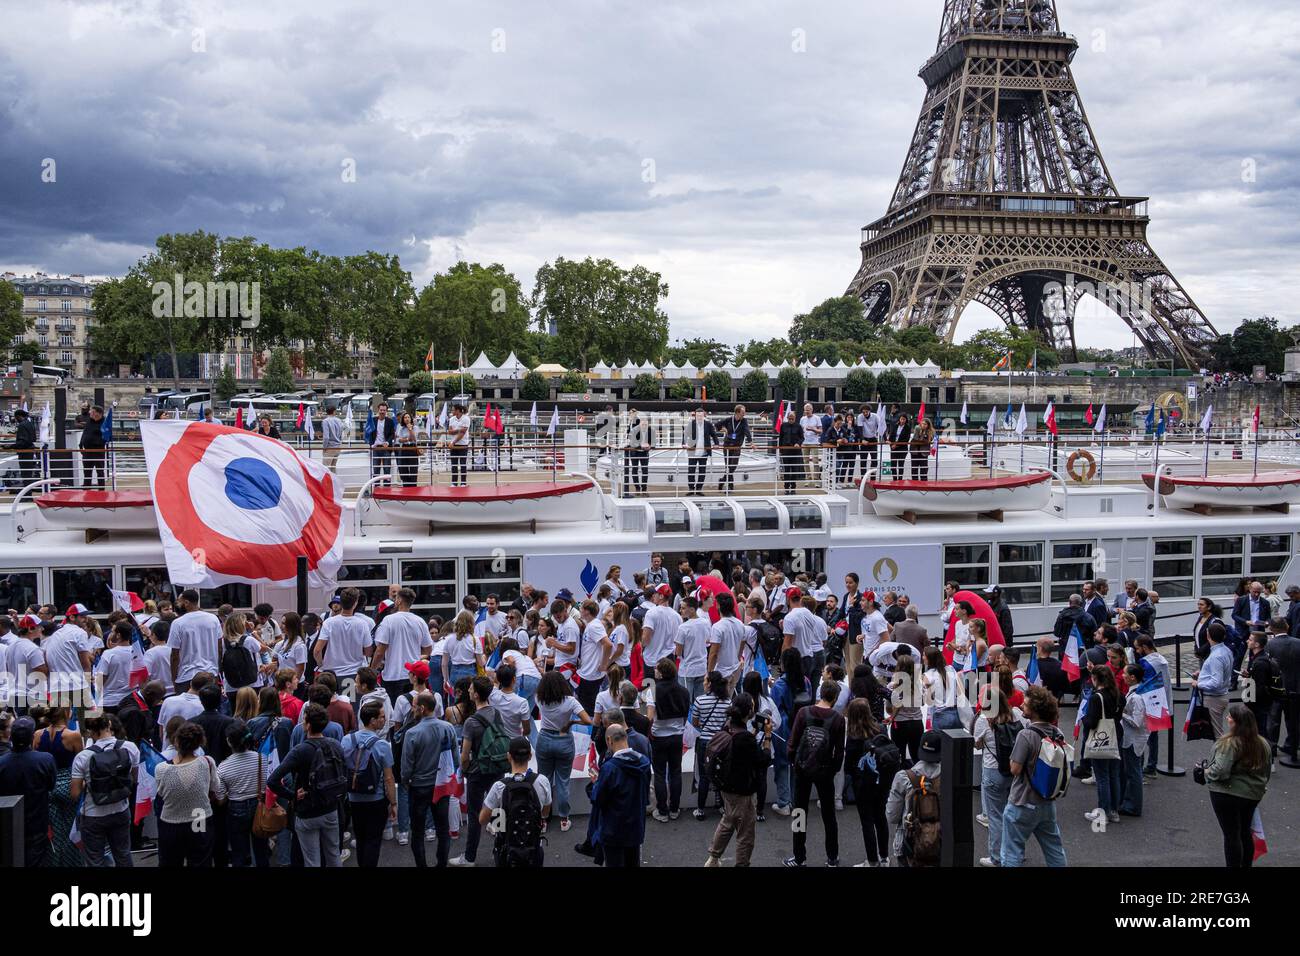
<point>982,820</point>
<point>858,866</point>
<point>712,861</point>
<point>388,832</point>
<point>839,803</point>
<point>403,838</point>
<point>1093,813</point>
<point>779,809</point>
<point>460,861</point>
<point>430,835</point>
<point>661,817</point>
<point>344,856</point>
<point>987,861</point>
<point>674,814</point>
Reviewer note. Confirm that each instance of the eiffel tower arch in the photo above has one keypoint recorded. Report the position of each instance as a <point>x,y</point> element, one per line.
<point>1005,199</point>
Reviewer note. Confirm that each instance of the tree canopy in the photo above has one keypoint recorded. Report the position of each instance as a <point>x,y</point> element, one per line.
<point>480,307</point>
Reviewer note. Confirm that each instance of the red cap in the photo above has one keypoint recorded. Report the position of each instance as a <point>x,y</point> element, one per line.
<point>384,607</point>
<point>842,626</point>
<point>870,596</point>
<point>418,669</point>
<point>76,610</point>
<point>664,589</point>
<point>29,622</point>
<point>793,594</point>
<point>702,595</point>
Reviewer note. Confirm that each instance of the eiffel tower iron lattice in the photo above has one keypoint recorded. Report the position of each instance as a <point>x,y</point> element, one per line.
<point>1005,199</point>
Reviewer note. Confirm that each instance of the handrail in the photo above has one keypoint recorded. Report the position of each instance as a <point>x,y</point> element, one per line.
<point>1155,487</point>
<point>13,509</point>
<point>362,492</point>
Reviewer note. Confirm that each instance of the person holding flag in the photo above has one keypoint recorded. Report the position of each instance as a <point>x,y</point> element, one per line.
<point>1134,730</point>
<point>94,438</point>
<point>458,427</point>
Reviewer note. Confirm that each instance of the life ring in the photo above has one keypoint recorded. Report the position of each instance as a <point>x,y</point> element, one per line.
<point>1089,470</point>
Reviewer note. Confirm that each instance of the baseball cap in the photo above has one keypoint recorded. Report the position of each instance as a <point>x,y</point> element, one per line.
<point>21,733</point>
<point>793,594</point>
<point>564,594</point>
<point>76,610</point>
<point>842,626</point>
<point>702,595</point>
<point>687,579</point>
<point>418,669</point>
<point>337,598</point>
<point>992,589</point>
<point>931,743</point>
<point>384,607</point>
<point>29,622</point>
<point>664,589</point>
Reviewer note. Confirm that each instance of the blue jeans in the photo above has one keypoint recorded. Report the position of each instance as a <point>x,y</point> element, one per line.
<point>694,686</point>
<point>245,849</point>
<point>780,770</point>
<point>555,763</point>
<point>1107,773</point>
<point>1130,781</point>
<point>457,671</point>
<point>945,718</point>
<point>994,790</point>
<point>403,808</point>
<point>1037,820</point>
<point>1153,750</point>
<point>526,687</point>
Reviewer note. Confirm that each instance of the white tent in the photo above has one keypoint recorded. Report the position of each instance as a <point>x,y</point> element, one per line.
<point>601,370</point>
<point>672,371</point>
<point>482,366</point>
<point>648,366</point>
<point>772,371</point>
<point>688,370</point>
<point>512,368</point>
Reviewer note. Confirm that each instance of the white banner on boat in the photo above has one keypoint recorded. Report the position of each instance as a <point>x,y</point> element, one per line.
<point>912,569</point>
<point>550,572</point>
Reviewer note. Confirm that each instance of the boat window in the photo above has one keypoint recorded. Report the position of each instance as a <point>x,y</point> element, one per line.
<point>1020,572</point>
<point>499,576</point>
<point>236,595</point>
<point>1221,565</point>
<point>434,584</point>
<point>967,564</point>
<point>1269,553</point>
<point>18,590</point>
<point>152,584</point>
<point>88,586</point>
<point>1072,564</point>
<point>804,514</point>
<point>370,579</point>
<point>671,517</point>
<point>761,516</point>
<point>1173,567</point>
<point>716,517</point>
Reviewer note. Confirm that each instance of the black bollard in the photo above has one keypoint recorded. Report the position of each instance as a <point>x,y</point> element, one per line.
<point>12,835</point>
<point>956,799</point>
<point>302,584</point>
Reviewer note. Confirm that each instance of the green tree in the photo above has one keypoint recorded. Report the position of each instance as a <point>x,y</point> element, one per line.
<point>820,350</point>
<point>645,388</point>
<point>860,385</point>
<point>842,317</point>
<point>1258,342</point>
<point>699,352</point>
<point>277,377</point>
<point>792,382</point>
<point>477,307</point>
<point>12,320</point>
<point>535,387</point>
<point>753,387</point>
<point>454,385</point>
<point>28,352</point>
<point>419,382</point>
<point>757,353</point>
<point>985,349</point>
<point>683,390</point>
<point>225,386</point>
<point>574,383</point>
<point>385,384</point>
<point>600,310</point>
<point>717,385</point>
<point>892,386</point>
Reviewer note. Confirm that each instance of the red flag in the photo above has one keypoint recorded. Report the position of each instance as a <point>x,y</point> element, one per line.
<point>780,414</point>
<point>239,417</point>
<point>492,420</point>
<point>301,414</point>
<point>1256,423</point>
<point>1050,419</point>
<point>1088,417</point>
<point>920,413</point>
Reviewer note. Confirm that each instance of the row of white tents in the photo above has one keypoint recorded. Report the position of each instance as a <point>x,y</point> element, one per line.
<point>513,369</point>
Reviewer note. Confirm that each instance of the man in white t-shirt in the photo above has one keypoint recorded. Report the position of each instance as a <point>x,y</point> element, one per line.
<point>811,423</point>
<point>400,639</point>
<point>594,657</point>
<point>564,646</point>
<point>68,658</point>
<point>458,427</point>
<point>659,628</point>
<point>24,659</point>
<point>185,705</point>
<point>520,753</point>
<point>344,640</point>
<point>726,638</point>
<point>804,631</point>
<point>874,626</point>
<point>692,645</point>
<point>195,640</point>
<point>494,623</point>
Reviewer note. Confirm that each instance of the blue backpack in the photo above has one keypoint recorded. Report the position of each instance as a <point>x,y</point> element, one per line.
<point>367,778</point>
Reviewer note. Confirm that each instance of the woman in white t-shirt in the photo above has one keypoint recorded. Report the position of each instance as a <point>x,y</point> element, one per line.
<point>462,655</point>
<point>559,711</point>
<point>941,691</point>
<point>619,635</point>
<point>290,651</point>
<point>607,699</point>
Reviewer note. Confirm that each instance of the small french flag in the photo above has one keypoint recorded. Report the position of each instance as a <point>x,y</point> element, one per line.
<point>1070,657</point>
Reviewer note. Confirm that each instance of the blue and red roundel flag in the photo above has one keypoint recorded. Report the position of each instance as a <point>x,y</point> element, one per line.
<point>237,507</point>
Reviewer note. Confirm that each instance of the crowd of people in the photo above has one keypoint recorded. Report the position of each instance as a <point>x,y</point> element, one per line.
<point>366,724</point>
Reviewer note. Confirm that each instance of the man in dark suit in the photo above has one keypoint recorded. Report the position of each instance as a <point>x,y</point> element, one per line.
<point>92,449</point>
<point>735,434</point>
<point>1094,601</point>
<point>25,444</point>
<point>699,441</point>
<point>1293,611</point>
<point>381,441</point>
<point>1251,609</point>
<point>1285,651</point>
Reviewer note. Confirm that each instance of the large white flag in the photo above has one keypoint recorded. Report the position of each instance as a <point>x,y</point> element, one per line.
<point>1208,419</point>
<point>43,436</point>
<point>555,421</point>
<point>1101,421</point>
<point>308,425</point>
<point>1022,423</point>
<point>532,416</point>
<point>963,412</point>
<point>239,507</point>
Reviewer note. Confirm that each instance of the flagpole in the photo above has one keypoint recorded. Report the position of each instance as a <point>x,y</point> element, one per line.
<point>1205,470</point>
<point>1255,471</point>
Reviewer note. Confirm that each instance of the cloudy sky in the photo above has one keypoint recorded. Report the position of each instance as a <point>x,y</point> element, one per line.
<point>737,148</point>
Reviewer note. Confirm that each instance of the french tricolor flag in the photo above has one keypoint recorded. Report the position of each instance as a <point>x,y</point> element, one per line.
<point>1257,832</point>
<point>1070,657</point>
<point>1152,690</point>
<point>1031,672</point>
<point>146,786</point>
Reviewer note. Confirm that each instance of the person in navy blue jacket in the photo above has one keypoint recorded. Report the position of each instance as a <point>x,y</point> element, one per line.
<point>619,794</point>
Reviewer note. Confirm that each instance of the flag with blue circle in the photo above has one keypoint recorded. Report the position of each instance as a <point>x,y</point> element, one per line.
<point>240,507</point>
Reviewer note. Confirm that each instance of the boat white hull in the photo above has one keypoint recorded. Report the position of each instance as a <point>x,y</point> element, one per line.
<point>956,498</point>
<point>579,504</point>
<point>1279,490</point>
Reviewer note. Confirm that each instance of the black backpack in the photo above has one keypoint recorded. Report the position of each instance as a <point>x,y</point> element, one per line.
<point>237,664</point>
<point>814,752</point>
<point>327,780</point>
<point>367,778</point>
<point>519,842</point>
<point>110,775</point>
<point>492,755</point>
<point>770,640</point>
<point>880,761</point>
<point>1004,741</point>
<point>717,757</point>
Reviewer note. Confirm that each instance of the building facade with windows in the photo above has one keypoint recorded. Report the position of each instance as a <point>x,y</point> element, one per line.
<point>60,316</point>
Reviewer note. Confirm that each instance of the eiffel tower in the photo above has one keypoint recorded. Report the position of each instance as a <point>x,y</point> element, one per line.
<point>1005,199</point>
